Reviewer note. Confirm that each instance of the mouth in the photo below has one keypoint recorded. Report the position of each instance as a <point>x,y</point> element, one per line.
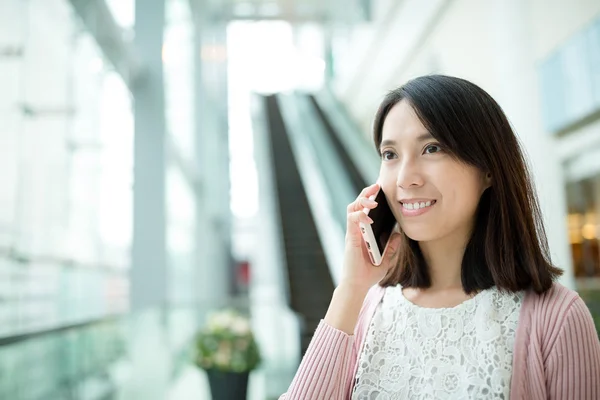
<point>411,208</point>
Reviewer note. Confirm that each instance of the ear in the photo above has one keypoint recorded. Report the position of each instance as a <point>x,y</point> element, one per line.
<point>487,180</point>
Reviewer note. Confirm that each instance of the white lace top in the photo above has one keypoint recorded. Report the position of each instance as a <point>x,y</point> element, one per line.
<point>463,352</point>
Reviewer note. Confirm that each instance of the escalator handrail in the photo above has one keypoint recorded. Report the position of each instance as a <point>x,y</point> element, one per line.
<point>267,179</point>
<point>327,188</point>
<point>357,143</point>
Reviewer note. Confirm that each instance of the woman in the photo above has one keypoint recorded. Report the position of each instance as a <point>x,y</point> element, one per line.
<point>465,304</point>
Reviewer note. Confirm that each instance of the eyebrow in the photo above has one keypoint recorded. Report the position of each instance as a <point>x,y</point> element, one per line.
<point>421,138</point>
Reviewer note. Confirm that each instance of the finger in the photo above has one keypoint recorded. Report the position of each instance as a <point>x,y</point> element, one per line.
<point>358,216</point>
<point>360,204</point>
<point>353,230</point>
<point>369,190</point>
<point>366,193</point>
<point>355,206</point>
<point>367,203</point>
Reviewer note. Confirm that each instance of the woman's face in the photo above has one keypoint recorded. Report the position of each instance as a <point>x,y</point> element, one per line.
<point>432,194</point>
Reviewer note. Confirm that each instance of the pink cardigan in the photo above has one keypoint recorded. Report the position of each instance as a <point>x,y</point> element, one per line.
<point>556,353</point>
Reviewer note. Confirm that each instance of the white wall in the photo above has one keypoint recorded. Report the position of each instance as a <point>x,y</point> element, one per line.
<point>554,21</point>
<point>379,52</point>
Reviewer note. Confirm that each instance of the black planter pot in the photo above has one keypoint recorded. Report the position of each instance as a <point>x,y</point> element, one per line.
<point>228,385</point>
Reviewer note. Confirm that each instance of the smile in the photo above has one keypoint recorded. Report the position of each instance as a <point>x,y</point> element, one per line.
<point>415,208</point>
<point>418,205</point>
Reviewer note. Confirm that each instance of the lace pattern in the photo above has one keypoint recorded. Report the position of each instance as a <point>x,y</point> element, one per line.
<point>463,352</point>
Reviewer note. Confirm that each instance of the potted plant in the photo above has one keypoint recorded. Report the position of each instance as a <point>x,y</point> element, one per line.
<point>227,350</point>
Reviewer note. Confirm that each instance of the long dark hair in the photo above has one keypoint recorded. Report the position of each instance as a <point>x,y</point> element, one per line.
<point>508,247</point>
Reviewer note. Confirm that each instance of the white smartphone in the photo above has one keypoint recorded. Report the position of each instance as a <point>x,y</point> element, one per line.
<point>377,234</point>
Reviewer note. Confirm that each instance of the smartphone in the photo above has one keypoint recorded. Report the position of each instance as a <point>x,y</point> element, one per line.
<point>377,234</point>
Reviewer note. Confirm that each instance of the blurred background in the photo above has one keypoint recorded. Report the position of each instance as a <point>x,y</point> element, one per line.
<point>163,159</point>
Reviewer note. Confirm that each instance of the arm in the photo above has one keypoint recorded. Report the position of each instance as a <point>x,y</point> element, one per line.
<point>325,368</point>
<point>573,366</point>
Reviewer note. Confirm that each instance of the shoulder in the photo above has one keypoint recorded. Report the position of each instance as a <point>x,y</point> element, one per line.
<point>552,313</point>
<point>555,300</point>
<point>564,332</point>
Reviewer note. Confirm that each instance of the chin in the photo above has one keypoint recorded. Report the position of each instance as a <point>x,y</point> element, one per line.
<point>420,234</point>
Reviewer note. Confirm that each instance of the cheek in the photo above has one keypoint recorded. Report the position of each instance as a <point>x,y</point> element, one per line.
<point>461,191</point>
<point>386,177</point>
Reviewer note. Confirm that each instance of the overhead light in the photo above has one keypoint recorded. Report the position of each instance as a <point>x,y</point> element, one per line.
<point>588,231</point>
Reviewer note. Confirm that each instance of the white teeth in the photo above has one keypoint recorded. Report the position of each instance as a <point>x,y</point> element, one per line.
<point>416,205</point>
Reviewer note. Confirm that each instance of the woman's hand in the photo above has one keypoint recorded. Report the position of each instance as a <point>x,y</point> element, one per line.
<point>358,271</point>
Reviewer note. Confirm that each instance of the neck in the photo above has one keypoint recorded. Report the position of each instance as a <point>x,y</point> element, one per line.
<point>444,260</point>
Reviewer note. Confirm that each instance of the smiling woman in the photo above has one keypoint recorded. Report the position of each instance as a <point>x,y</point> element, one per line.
<point>446,140</point>
<point>464,304</point>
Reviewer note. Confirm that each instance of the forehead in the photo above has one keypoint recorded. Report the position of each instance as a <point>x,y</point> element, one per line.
<point>401,123</point>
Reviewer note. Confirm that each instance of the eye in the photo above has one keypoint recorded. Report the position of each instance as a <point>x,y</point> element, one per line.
<point>387,155</point>
<point>432,148</point>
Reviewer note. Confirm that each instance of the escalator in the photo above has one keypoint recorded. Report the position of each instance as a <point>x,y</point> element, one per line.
<point>310,283</point>
<point>309,269</point>
<point>356,178</point>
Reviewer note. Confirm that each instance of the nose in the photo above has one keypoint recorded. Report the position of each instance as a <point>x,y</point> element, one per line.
<point>409,175</point>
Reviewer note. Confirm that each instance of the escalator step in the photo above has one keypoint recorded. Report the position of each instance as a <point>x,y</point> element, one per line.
<point>310,283</point>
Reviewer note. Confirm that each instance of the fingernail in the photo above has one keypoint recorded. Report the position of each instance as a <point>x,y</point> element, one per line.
<point>370,220</point>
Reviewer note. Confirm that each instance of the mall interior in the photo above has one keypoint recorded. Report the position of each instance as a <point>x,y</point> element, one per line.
<point>163,160</point>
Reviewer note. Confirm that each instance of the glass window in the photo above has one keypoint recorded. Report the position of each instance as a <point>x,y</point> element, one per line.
<point>584,231</point>
<point>584,228</point>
